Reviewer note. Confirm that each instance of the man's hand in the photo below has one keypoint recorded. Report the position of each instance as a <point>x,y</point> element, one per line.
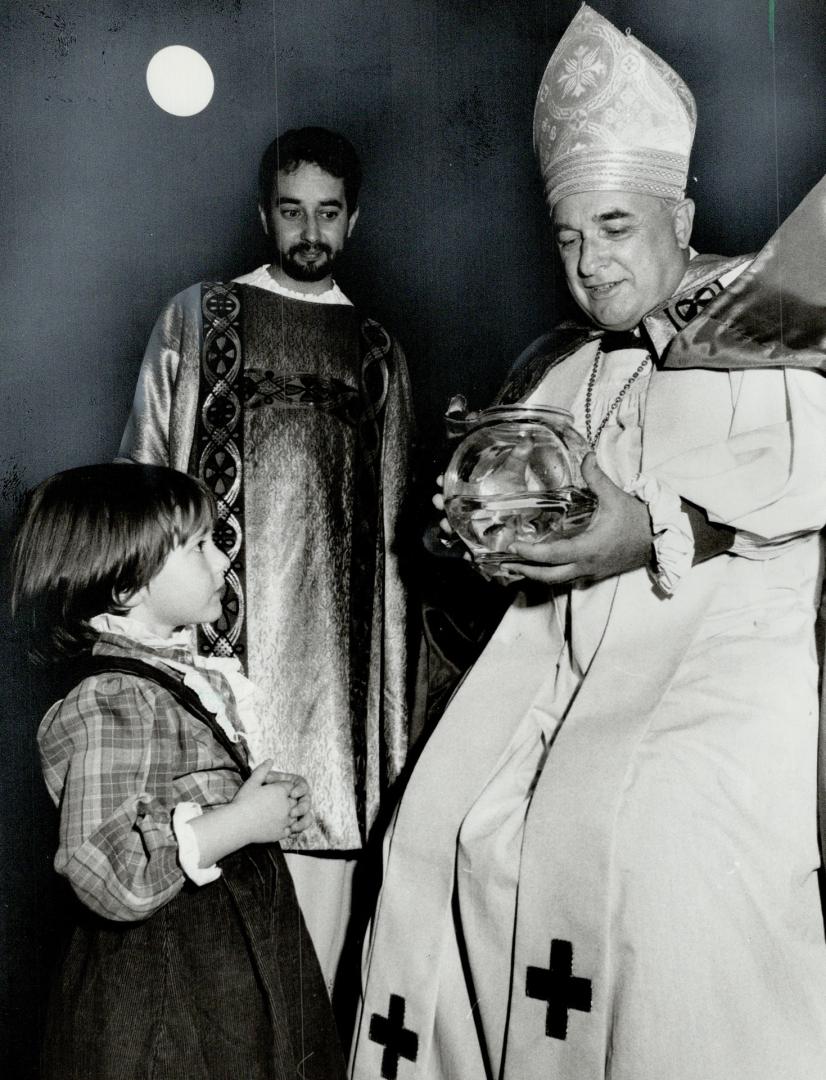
<point>618,539</point>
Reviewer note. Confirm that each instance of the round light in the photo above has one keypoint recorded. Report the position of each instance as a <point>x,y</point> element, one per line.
<point>179,80</point>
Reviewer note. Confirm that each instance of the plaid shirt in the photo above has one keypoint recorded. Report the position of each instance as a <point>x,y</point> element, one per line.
<point>118,754</point>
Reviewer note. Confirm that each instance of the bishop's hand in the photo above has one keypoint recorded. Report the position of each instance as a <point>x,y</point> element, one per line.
<point>618,539</point>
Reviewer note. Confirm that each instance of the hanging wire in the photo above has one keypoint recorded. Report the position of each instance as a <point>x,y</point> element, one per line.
<point>772,12</point>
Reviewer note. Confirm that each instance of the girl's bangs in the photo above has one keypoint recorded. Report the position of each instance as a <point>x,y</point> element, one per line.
<point>193,515</point>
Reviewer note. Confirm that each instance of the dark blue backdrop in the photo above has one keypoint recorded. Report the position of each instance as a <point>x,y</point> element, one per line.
<point>110,205</point>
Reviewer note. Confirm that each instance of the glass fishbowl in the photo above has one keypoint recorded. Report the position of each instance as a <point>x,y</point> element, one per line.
<point>514,477</point>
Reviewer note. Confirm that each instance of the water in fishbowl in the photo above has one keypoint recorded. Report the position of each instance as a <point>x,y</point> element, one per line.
<point>489,525</point>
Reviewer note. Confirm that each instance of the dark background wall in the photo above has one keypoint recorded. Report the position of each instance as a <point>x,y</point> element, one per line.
<point>110,206</point>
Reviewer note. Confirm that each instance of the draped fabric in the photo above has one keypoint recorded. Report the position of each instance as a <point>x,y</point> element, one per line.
<point>775,313</point>
<point>604,866</point>
<point>324,434</point>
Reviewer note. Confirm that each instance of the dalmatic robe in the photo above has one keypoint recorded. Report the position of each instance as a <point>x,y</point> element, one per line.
<point>604,866</point>
<point>325,595</point>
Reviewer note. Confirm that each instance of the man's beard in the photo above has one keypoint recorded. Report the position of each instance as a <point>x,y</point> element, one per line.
<point>298,269</point>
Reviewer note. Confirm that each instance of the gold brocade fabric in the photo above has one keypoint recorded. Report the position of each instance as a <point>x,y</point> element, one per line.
<point>334,681</point>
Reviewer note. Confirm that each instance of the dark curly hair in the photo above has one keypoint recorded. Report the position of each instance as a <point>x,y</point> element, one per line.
<point>310,146</point>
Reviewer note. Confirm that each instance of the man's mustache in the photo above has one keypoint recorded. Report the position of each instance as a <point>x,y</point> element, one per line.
<point>306,248</point>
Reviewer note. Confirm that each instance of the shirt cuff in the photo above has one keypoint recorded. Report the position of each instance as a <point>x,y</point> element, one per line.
<point>189,854</point>
<point>673,538</point>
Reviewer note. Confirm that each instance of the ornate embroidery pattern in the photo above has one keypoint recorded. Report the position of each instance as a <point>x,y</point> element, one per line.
<point>651,169</point>
<point>219,456</point>
<point>375,380</point>
<point>580,71</point>
<point>300,390</point>
<point>684,308</point>
<point>609,103</point>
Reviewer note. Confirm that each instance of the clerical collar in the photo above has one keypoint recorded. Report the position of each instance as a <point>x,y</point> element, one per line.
<point>612,340</point>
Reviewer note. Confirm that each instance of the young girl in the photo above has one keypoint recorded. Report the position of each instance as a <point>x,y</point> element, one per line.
<point>190,957</point>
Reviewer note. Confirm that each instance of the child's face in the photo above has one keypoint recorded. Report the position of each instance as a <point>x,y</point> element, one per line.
<point>186,590</point>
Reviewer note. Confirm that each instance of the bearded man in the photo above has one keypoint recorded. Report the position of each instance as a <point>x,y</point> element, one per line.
<point>295,409</point>
<point>605,862</point>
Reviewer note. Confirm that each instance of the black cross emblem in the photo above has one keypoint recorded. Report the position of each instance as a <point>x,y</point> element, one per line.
<point>398,1042</point>
<point>560,988</point>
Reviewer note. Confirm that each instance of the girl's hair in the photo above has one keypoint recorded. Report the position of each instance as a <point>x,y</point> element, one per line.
<point>90,539</point>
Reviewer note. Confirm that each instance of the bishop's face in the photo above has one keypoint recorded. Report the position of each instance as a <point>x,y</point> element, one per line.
<point>622,253</point>
<point>308,224</point>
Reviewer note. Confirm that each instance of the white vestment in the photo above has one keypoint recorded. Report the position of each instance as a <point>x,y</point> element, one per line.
<point>604,866</point>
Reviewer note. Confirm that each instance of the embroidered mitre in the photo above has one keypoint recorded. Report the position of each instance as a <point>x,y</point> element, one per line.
<point>611,115</point>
